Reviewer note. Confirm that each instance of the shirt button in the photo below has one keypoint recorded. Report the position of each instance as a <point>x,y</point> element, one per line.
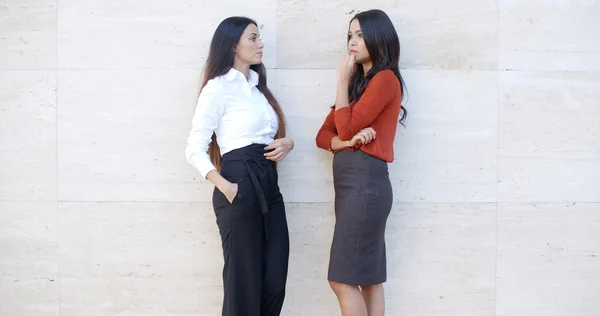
<point>242,180</point>
<point>240,195</point>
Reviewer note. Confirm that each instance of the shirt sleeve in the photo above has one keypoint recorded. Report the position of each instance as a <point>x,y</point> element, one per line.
<point>380,90</point>
<point>209,110</point>
<point>327,132</point>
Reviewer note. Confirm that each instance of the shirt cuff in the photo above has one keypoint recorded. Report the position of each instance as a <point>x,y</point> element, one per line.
<point>203,165</point>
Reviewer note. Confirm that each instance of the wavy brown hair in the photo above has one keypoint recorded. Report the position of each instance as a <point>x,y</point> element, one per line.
<point>383,45</point>
<point>220,60</point>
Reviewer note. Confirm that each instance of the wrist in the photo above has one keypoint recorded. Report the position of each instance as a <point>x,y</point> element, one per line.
<point>343,81</point>
<point>224,185</point>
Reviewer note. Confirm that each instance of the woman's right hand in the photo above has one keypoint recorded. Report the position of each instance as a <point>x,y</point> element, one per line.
<point>365,136</point>
<point>230,191</point>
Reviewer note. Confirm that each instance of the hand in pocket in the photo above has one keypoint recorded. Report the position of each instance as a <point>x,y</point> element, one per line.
<point>230,192</point>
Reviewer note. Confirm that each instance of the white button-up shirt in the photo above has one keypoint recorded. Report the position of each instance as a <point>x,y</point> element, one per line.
<point>236,111</point>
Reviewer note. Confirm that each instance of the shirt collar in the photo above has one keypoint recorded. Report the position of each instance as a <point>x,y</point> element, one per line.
<point>233,73</point>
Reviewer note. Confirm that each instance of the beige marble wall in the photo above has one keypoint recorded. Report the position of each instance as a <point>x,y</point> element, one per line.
<point>496,179</point>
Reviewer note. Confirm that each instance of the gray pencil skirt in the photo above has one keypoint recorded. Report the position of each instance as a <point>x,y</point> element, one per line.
<point>363,201</point>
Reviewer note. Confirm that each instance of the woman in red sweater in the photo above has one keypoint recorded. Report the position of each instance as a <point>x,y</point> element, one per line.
<point>360,131</point>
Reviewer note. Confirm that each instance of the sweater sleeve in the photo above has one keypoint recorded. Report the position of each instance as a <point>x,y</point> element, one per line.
<point>327,132</point>
<point>380,90</point>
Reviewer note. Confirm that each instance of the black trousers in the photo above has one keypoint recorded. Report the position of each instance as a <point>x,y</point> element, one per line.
<point>254,235</point>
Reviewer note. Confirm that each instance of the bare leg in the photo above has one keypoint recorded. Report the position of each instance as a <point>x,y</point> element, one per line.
<point>374,299</point>
<point>350,298</point>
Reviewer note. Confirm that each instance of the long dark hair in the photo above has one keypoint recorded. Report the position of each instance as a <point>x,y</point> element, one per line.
<point>383,45</point>
<point>220,60</point>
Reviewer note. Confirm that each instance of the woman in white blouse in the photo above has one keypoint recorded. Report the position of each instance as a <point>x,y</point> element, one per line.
<point>237,136</point>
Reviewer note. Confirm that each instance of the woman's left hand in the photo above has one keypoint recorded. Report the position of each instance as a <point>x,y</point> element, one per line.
<point>280,148</point>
